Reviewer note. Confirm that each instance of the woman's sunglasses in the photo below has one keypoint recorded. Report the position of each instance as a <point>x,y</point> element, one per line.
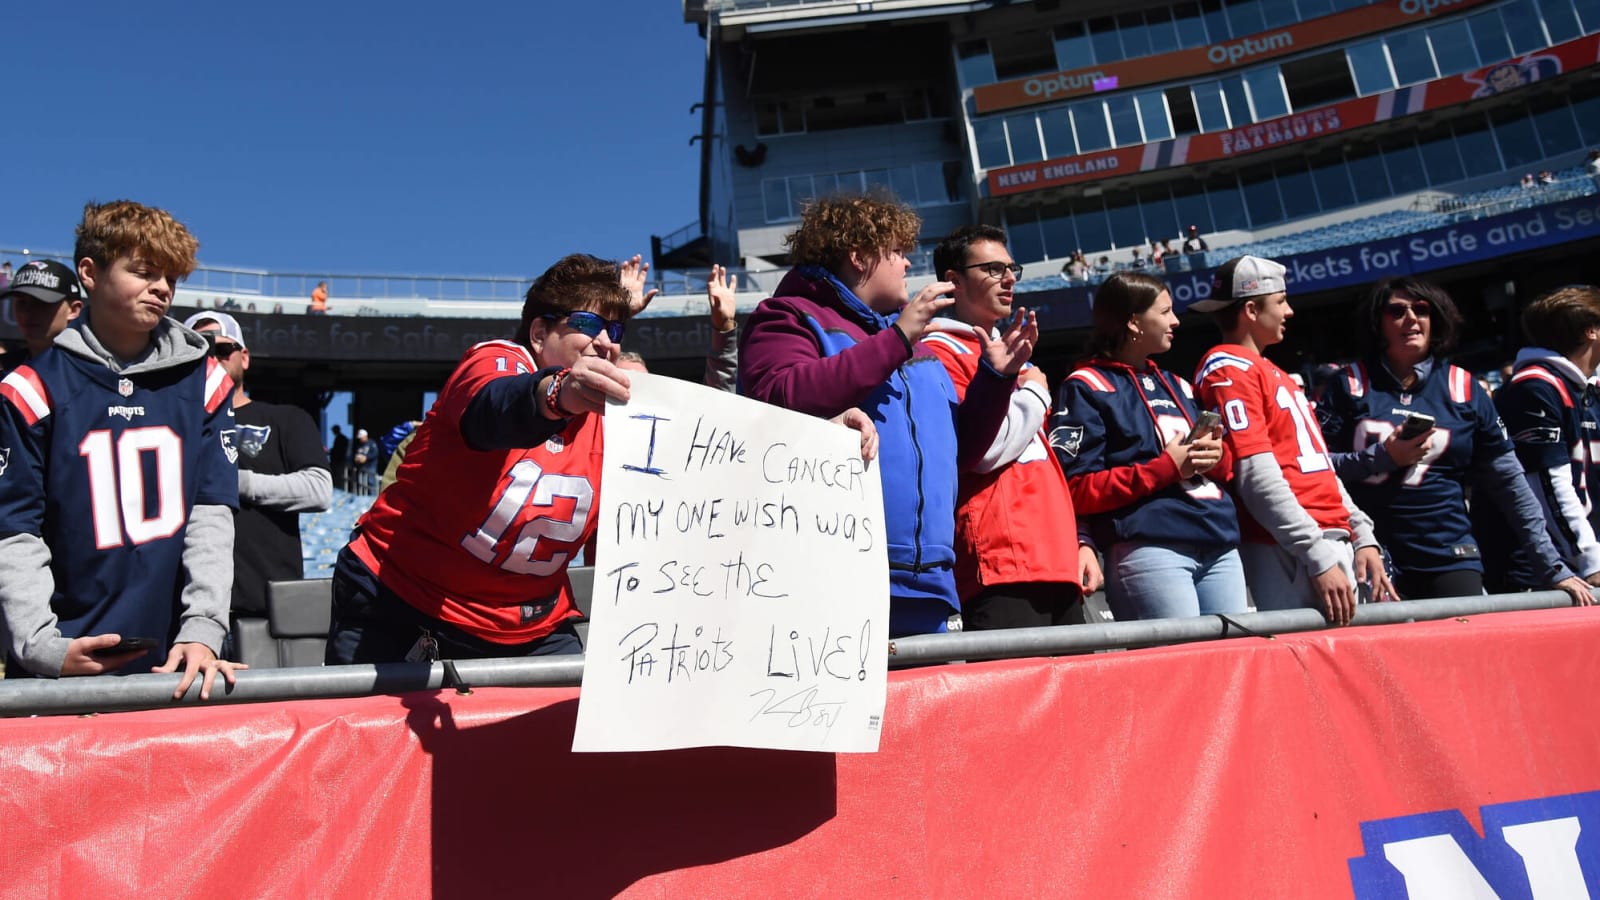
<point>590,324</point>
<point>1397,310</point>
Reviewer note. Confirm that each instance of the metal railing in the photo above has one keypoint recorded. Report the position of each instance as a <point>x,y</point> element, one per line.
<point>77,696</point>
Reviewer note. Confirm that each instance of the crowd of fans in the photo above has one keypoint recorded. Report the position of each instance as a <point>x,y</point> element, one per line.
<point>1400,478</point>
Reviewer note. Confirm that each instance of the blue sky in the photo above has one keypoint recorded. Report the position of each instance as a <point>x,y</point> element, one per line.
<point>397,137</point>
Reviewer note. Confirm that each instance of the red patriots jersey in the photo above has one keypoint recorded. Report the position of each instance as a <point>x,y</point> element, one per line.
<point>482,539</point>
<point>1264,411</point>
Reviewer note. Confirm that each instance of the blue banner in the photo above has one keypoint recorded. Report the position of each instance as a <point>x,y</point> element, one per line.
<point>1337,267</point>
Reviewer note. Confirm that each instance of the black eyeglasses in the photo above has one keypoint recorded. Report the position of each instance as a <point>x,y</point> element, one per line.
<point>1397,311</point>
<point>591,324</point>
<point>996,269</point>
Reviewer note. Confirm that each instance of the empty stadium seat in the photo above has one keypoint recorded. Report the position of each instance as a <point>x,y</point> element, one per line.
<point>295,630</point>
<point>583,596</point>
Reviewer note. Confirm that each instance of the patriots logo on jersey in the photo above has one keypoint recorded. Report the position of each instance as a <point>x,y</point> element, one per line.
<point>252,439</point>
<point>230,445</point>
<point>125,387</point>
<point>1069,438</point>
<point>5,459</point>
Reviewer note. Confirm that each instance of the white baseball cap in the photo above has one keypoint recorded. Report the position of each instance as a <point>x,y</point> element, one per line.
<point>1242,278</point>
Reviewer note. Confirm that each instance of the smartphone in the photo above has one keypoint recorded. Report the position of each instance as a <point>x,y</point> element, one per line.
<point>1415,425</point>
<point>127,645</point>
<point>1203,425</point>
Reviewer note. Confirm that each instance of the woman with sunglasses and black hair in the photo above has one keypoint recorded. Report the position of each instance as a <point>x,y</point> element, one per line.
<point>1407,431</point>
<point>465,555</point>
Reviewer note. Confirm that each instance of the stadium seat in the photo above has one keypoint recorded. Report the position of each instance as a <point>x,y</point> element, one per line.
<point>582,596</point>
<point>295,630</point>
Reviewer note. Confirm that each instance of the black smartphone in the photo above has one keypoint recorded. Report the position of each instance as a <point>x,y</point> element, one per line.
<point>1415,425</point>
<point>127,645</point>
<point>1202,426</point>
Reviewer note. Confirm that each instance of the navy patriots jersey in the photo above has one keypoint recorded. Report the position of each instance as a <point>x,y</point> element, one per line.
<point>106,468</point>
<point>1110,432</point>
<point>1551,414</point>
<point>1419,512</point>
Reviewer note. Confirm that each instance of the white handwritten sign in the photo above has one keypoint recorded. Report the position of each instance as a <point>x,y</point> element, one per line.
<point>741,591</point>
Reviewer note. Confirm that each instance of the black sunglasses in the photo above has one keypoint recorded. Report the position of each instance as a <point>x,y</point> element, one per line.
<point>996,269</point>
<point>590,324</point>
<point>1397,310</point>
<point>220,350</point>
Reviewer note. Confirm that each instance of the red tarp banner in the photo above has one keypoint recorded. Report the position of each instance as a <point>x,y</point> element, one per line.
<point>1309,124</point>
<point>1241,768</point>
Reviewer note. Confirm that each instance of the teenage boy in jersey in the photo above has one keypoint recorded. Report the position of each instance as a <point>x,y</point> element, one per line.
<point>1018,560</point>
<point>1297,521</point>
<point>45,297</point>
<point>1552,412</point>
<point>283,472</point>
<point>116,502</point>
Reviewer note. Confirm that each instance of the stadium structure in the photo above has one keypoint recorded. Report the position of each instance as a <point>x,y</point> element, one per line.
<point>1349,139</point>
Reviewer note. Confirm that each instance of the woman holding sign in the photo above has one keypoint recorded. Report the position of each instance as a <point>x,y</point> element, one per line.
<point>1146,466</point>
<point>1407,431</point>
<point>465,555</point>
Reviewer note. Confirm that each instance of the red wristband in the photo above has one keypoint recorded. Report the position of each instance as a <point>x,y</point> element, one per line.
<point>552,394</point>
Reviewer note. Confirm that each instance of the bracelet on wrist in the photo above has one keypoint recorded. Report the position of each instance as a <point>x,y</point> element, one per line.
<point>552,394</point>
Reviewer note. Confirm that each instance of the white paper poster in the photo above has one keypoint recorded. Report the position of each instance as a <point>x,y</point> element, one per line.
<point>741,580</point>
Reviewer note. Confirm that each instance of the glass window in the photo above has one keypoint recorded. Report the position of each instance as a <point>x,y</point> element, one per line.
<point>1216,21</point>
<point>1153,115</point>
<point>1072,46</point>
<point>1342,5</point>
<point>1318,80</point>
<point>1370,66</point>
<point>1366,172</point>
<point>1089,217</point>
<point>1089,121</point>
<point>1022,53</point>
<point>1452,47</point>
<point>1191,28</point>
<point>1489,37</point>
<point>1103,37</point>
<point>1332,179</point>
<point>1160,218</point>
<point>1163,36</point>
<point>1261,196</point>
<point>1558,133</point>
<point>990,136</point>
<point>903,181</point>
<point>1227,205</point>
<point>1404,162</point>
<point>1311,9</point>
<point>1022,235</point>
<point>1189,199</point>
<point>1439,157</point>
<point>1586,105</point>
<point>1479,155</point>
<point>1055,221</point>
<point>1299,193</point>
<point>1180,103</point>
<point>1135,37</point>
<point>1266,93</point>
<point>1522,26</point>
<point>974,63</point>
<point>1238,105</point>
<point>1127,228</point>
<point>1024,132</point>
<point>1278,13</point>
<point>1560,20</point>
<point>775,197</point>
<point>1412,61</point>
<point>1244,17</point>
<point>1057,127</point>
<point>1514,133</point>
<point>1124,121</point>
<point>875,179</point>
<point>936,182</point>
<point>1588,14</point>
<point>1208,103</point>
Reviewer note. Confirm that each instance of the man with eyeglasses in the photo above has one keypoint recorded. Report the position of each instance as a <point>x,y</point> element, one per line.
<point>1018,560</point>
<point>283,472</point>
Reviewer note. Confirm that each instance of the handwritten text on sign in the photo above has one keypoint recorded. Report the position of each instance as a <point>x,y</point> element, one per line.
<point>741,582</point>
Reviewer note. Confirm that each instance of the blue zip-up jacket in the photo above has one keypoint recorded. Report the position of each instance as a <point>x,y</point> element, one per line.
<point>817,348</point>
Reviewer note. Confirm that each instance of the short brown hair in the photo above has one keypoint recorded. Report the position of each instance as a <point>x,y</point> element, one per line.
<point>125,228</point>
<point>1559,319</point>
<point>577,281</point>
<point>1445,321</point>
<point>831,228</point>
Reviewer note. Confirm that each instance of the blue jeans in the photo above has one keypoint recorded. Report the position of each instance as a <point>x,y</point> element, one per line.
<point>1171,581</point>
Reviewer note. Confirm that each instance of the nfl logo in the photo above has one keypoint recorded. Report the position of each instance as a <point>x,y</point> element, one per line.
<point>1405,399</point>
<point>555,444</point>
<point>1149,384</point>
<point>125,387</point>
